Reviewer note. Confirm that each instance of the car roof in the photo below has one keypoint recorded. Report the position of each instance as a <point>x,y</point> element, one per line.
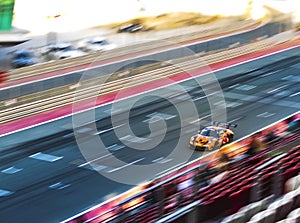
<point>22,51</point>
<point>60,45</point>
<point>215,127</point>
<point>96,39</point>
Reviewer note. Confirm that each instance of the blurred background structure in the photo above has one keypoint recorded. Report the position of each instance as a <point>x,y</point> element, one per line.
<point>6,14</point>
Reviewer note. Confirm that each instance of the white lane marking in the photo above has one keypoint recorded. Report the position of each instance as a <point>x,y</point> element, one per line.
<point>152,120</point>
<point>277,89</point>
<point>59,186</point>
<point>122,167</point>
<point>245,87</point>
<point>161,115</point>
<point>234,86</point>
<point>184,97</point>
<point>11,170</point>
<point>265,115</point>
<point>270,73</point>
<point>205,96</point>
<point>242,97</point>
<point>161,160</point>
<point>145,92</point>
<point>4,193</point>
<point>45,157</point>
<point>115,147</point>
<point>165,161</point>
<point>200,98</point>
<point>297,66</point>
<point>112,111</point>
<point>285,103</point>
<point>291,78</point>
<point>102,131</point>
<point>109,129</point>
<point>158,159</point>
<point>233,104</point>
<point>282,93</point>
<point>83,130</point>
<point>295,94</point>
<point>236,119</point>
<point>187,88</point>
<point>157,116</point>
<point>92,161</point>
<point>199,119</point>
<point>131,138</point>
<point>220,104</point>
<point>68,135</point>
<point>93,167</point>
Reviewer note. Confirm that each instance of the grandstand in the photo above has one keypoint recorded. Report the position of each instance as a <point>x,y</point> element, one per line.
<point>263,187</point>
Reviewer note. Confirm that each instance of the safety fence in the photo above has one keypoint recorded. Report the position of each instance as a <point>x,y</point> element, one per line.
<point>181,194</point>
<point>32,104</point>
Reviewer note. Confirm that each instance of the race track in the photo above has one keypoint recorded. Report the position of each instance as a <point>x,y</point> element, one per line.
<point>48,179</point>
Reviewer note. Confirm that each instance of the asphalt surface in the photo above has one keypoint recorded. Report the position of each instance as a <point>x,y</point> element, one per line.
<point>48,179</point>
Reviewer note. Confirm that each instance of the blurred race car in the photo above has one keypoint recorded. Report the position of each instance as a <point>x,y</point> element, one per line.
<point>95,44</point>
<point>213,137</point>
<point>23,58</point>
<point>130,28</point>
<point>61,51</point>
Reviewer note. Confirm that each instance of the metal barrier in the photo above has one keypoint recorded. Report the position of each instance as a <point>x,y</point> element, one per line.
<point>27,105</point>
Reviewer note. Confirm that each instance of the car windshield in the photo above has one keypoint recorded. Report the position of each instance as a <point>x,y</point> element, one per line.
<point>208,132</point>
<point>98,42</point>
<point>21,55</point>
<point>61,48</point>
<point>65,49</point>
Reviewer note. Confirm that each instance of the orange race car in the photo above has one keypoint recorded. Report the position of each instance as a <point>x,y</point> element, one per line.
<point>213,137</point>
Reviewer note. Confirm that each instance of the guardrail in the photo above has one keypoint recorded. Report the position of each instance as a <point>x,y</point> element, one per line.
<point>132,204</point>
<point>27,106</point>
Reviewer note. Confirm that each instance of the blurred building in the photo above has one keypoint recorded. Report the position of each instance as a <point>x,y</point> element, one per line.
<point>6,14</point>
<point>9,36</point>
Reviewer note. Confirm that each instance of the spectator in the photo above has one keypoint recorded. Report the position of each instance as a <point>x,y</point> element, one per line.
<point>292,184</point>
<point>223,171</point>
<point>185,190</point>
<point>224,158</point>
<point>293,125</point>
<point>255,145</point>
<point>203,177</point>
<point>270,136</point>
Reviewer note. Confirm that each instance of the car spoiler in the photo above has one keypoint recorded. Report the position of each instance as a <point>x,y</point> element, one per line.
<point>225,124</point>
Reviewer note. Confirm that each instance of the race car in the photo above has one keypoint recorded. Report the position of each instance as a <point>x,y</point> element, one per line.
<point>213,137</point>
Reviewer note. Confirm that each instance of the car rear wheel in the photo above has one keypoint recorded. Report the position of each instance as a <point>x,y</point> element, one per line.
<point>199,148</point>
<point>230,137</point>
<point>216,146</point>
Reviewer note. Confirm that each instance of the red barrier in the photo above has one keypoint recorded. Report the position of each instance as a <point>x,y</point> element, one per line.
<point>3,75</point>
